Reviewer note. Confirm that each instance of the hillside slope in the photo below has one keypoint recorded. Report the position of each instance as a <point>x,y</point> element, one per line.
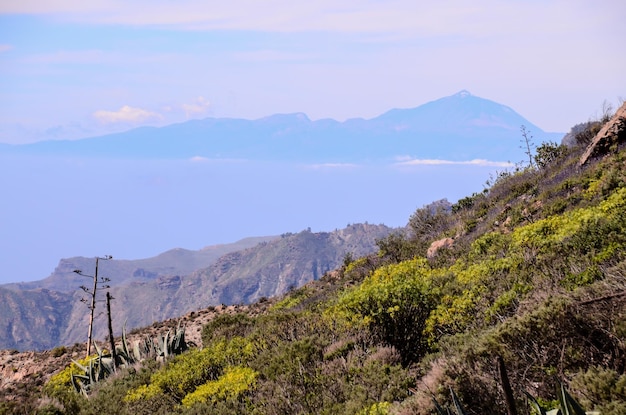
<point>523,284</point>
<point>175,283</point>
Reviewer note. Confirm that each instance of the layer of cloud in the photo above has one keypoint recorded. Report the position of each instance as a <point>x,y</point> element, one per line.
<point>327,166</point>
<point>126,114</point>
<point>5,47</point>
<point>200,106</point>
<point>199,159</point>
<point>203,159</point>
<point>438,162</point>
<point>450,18</point>
<point>436,49</point>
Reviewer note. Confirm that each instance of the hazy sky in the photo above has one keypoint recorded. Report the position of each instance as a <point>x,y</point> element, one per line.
<point>71,69</point>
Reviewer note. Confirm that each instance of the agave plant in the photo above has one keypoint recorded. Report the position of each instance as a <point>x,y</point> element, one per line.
<point>99,367</point>
<point>568,405</point>
<point>102,365</point>
<point>169,345</point>
<point>458,407</point>
<point>160,347</point>
<point>125,357</point>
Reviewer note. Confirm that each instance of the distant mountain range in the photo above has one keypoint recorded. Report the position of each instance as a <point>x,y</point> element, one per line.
<point>44,314</point>
<point>176,261</point>
<point>47,313</point>
<point>458,127</point>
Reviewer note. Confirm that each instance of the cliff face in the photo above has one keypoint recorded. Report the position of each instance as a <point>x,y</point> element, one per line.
<point>289,262</point>
<point>33,319</point>
<point>176,261</point>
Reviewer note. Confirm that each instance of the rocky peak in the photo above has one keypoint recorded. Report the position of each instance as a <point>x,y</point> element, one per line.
<point>613,133</point>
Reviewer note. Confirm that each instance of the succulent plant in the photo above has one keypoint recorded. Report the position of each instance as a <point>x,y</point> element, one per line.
<point>102,365</point>
<point>567,404</point>
<point>458,407</point>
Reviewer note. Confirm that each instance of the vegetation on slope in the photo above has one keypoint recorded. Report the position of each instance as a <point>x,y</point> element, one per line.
<point>532,276</point>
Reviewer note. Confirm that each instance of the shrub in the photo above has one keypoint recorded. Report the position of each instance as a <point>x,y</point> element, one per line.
<point>394,304</point>
<point>584,133</point>
<point>602,388</point>
<point>59,351</point>
<point>292,299</point>
<point>427,223</point>
<point>379,408</point>
<point>465,203</point>
<point>108,397</point>
<point>188,371</point>
<point>227,326</point>
<point>548,153</point>
<point>231,385</point>
<point>397,247</point>
<point>60,386</point>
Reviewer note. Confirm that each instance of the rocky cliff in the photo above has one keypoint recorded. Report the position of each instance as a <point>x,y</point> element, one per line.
<point>609,138</point>
<point>41,318</point>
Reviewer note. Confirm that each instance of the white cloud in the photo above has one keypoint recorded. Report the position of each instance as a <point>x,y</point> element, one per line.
<point>5,47</point>
<point>200,106</point>
<point>331,166</point>
<point>437,162</point>
<point>126,114</point>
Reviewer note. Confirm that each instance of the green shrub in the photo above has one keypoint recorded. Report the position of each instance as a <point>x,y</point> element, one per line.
<point>226,327</point>
<point>108,397</point>
<point>49,409</point>
<point>397,247</point>
<point>548,153</point>
<point>586,133</point>
<point>379,408</point>
<point>428,223</point>
<point>292,299</point>
<point>394,304</point>
<point>60,386</point>
<point>601,388</point>
<point>234,382</point>
<point>186,372</point>
<point>58,351</point>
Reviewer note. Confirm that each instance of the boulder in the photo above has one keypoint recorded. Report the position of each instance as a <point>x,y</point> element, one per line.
<point>437,245</point>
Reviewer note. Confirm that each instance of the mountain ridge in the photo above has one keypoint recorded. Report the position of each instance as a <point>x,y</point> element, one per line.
<point>173,261</point>
<point>476,127</point>
<point>530,276</point>
<point>146,291</point>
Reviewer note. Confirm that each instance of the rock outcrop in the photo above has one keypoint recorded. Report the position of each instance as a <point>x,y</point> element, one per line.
<point>612,134</point>
<point>437,245</point>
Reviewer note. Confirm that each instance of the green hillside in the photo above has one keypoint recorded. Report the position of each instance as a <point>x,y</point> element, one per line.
<point>528,291</point>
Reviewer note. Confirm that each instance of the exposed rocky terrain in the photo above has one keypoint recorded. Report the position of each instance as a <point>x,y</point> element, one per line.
<point>172,284</point>
<point>23,373</point>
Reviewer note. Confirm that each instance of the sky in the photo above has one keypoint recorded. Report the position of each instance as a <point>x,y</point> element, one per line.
<point>72,69</point>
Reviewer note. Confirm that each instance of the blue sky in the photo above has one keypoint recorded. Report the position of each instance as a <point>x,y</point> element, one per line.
<point>74,69</point>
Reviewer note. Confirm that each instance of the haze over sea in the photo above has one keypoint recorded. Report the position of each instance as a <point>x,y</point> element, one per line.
<point>64,207</point>
<point>70,70</point>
